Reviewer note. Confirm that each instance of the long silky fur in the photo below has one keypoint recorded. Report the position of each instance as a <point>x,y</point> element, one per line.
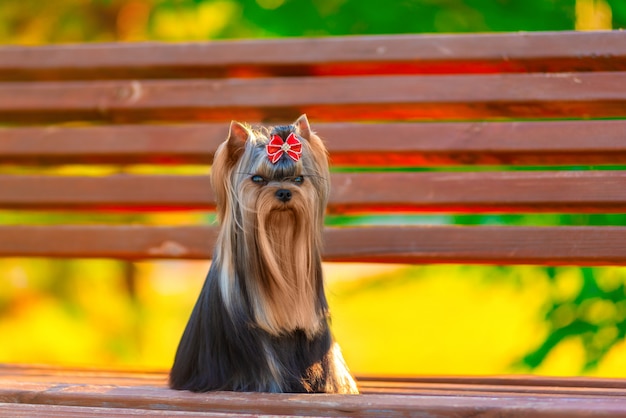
<point>261,320</point>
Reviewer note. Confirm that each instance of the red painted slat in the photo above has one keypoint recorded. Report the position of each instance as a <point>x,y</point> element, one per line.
<point>388,98</point>
<point>584,246</point>
<point>479,53</point>
<point>548,191</point>
<point>448,402</point>
<point>390,144</point>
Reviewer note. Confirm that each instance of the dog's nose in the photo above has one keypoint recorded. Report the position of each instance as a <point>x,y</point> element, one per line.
<point>283,195</point>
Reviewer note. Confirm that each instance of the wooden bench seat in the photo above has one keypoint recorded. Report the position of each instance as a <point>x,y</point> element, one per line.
<point>524,123</point>
<point>125,393</point>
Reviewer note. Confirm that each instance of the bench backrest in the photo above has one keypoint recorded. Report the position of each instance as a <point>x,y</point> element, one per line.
<point>463,114</point>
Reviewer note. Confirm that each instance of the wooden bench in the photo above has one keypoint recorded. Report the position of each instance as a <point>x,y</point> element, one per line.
<point>462,102</point>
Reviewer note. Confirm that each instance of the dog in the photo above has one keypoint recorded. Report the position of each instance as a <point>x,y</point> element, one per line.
<point>261,321</point>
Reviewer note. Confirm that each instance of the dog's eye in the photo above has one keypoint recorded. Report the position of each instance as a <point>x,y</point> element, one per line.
<point>298,179</point>
<point>257,179</point>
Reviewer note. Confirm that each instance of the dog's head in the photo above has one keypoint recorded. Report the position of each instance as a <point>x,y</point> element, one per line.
<point>271,170</point>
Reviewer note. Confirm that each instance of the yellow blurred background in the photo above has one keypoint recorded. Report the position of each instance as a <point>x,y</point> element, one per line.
<point>388,319</point>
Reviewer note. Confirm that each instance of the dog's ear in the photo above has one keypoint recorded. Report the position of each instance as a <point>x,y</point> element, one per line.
<point>303,128</point>
<point>226,157</point>
<point>237,137</point>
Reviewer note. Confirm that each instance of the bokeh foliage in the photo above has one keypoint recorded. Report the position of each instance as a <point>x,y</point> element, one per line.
<point>140,306</point>
<point>596,315</point>
<point>36,22</point>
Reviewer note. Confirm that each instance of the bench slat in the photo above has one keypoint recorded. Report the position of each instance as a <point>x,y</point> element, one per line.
<point>424,144</point>
<point>570,191</point>
<point>124,144</point>
<point>495,384</point>
<point>129,192</point>
<point>585,246</point>
<point>485,245</point>
<point>64,411</point>
<point>393,144</point>
<point>461,385</point>
<point>601,94</point>
<point>439,403</point>
<point>496,52</point>
<point>562,191</point>
<point>130,377</point>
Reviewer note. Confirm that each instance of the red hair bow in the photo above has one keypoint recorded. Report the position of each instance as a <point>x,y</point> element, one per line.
<point>277,147</point>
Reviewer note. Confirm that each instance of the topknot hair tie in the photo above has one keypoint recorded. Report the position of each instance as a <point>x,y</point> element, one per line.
<point>277,147</point>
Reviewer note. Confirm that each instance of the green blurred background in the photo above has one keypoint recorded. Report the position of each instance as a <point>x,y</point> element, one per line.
<point>37,22</point>
<point>389,319</point>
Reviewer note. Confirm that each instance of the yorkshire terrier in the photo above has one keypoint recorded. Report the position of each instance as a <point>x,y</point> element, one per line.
<point>261,321</point>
